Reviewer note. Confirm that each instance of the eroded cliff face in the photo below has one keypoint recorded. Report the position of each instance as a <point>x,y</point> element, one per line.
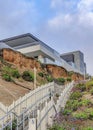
<point>25,63</point>
<point>20,60</point>
<point>77,77</point>
<point>56,71</point>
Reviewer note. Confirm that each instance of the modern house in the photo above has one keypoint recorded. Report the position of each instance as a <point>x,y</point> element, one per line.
<point>75,59</point>
<point>33,47</point>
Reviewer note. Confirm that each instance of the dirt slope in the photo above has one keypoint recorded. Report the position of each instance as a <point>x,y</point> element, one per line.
<point>10,91</point>
<point>26,63</point>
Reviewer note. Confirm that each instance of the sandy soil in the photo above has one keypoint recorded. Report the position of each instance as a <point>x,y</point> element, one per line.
<point>10,92</point>
<point>89,97</point>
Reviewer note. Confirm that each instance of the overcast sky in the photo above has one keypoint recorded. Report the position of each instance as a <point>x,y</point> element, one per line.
<point>65,25</point>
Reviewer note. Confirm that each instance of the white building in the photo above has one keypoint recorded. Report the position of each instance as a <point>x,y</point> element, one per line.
<point>33,47</point>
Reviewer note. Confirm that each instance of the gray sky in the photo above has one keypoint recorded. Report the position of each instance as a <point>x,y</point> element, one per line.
<point>65,25</point>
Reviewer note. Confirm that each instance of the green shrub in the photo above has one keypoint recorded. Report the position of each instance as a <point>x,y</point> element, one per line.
<point>69,104</point>
<point>41,74</point>
<point>6,70</point>
<point>61,80</point>
<point>7,128</point>
<point>7,77</point>
<point>91,115</point>
<point>89,112</point>
<point>76,95</point>
<point>49,78</point>
<point>69,79</point>
<point>11,72</point>
<point>14,124</point>
<point>88,128</point>
<point>81,87</point>
<point>28,76</point>
<point>57,127</point>
<point>85,102</point>
<point>89,85</point>
<point>15,74</point>
<point>66,112</point>
<point>73,105</point>
<point>81,115</point>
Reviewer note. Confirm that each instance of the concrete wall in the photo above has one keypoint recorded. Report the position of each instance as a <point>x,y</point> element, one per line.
<point>77,58</point>
<point>79,61</point>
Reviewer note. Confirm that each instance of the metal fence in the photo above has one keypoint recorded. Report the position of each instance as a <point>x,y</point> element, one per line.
<point>38,113</point>
<point>29,102</point>
<point>44,118</point>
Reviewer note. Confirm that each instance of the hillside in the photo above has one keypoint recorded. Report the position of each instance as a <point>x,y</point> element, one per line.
<point>78,112</point>
<point>17,75</point>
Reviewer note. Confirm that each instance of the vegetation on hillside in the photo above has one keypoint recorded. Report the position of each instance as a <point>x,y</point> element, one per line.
<point>28,76</point>
<point>78,112</point>
<point>10,72</point>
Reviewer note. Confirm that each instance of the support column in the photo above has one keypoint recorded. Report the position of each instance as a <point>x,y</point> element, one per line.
<point>41,58</point>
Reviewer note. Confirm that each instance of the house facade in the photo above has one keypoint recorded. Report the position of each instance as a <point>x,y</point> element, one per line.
<point>33,47</point>
<point>75,59</point>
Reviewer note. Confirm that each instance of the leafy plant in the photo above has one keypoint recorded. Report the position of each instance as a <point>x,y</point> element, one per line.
<point>41,74</point>
<point>81,115</point>
<point>49,78</point>
<point>10,71</point>
<point>81,87</point>
<point>6,70</point>
<point>61,80</point>
<point>69,79</point>
<point>14,124</point>
<point>7,77</point>
<point>66,112</point>
<point>28,76</point>
<point>91,115</point>
<point>89,85</point>
<point>72,105</point>
<point>85,102</point>
<point>57,127</point>
<point>15,74</point>
<point>88,128</point>
<point>7,128</point>
<point>76,95</point>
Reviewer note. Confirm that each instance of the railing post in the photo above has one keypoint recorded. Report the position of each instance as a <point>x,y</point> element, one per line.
<point>32,124</point>
<point>34,78</point>
<point>23,121</point>
<point>38,119</point>
<point>17,123</point>
<point>11,121</point>
<point>20,104</point>
<point>46,106</point>
<point>2,124</point>
<point>35,82</point>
